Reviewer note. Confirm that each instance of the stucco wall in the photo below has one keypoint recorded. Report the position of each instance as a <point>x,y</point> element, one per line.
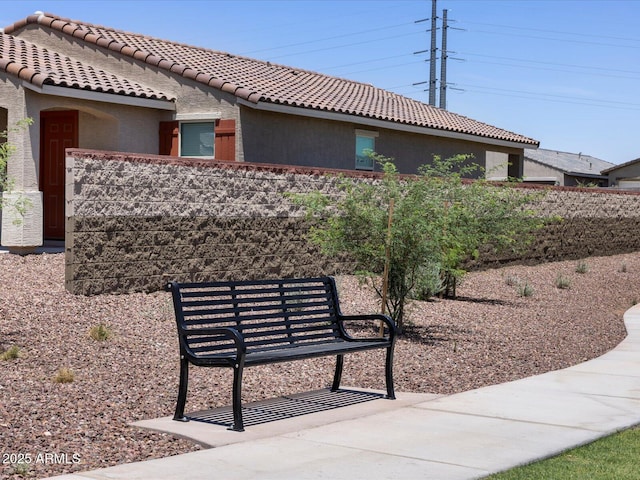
<point>268,138</point>
<point>538,170</point>
<point>135,222</point>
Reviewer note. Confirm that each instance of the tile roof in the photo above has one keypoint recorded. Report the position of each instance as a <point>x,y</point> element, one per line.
<point>259,81</point>
<point>39,67</point>
<point>568,162</point>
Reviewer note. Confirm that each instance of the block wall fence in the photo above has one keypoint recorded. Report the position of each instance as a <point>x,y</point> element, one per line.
<point>134,222</point>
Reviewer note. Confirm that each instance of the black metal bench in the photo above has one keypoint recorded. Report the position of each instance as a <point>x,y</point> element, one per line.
<point>245,323</point>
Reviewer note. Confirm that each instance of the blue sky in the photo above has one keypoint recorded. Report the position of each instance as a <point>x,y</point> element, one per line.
<point>563,72</point>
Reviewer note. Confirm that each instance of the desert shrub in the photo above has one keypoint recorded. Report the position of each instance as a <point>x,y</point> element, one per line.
<point>101,332</point>
<point>64,375</point>
<point>11,353</point>
<point>422,228</point>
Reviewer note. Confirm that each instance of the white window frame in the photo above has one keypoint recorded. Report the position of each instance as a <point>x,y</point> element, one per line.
<point>365,134</point>
<point>190,118</point>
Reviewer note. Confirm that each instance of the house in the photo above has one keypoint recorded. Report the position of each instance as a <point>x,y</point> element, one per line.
<point>562,168</point>
<point>625,176</point>
<point>95,87</point>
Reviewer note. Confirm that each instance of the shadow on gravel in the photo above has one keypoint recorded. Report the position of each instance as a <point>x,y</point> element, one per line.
<point>485,301</point>
<point>434,334</point>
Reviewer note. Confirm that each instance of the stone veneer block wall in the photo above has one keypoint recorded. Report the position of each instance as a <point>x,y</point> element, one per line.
<point>134,222</point>
<point>594,222</point>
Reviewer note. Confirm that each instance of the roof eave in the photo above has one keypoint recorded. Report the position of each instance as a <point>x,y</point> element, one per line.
<point>132,101</point>
<point>622,165</point>
<point>587,175</point>
<point>378,123</point>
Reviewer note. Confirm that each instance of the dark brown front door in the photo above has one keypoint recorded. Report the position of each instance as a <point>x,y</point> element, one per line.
<point>58,131</point>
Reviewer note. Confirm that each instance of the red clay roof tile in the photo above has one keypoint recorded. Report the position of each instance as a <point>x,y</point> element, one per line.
<point>39,66</point>
<point>258,81</point>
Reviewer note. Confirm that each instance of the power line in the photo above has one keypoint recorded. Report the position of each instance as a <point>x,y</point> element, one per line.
<point>408,89</point>
<point>538,68</point>
<point>366,42</point>
<point>550,97</point>
<point>565,40</point>
<point>561,32</point>
<point>539,62</point>
<point>335,37</point>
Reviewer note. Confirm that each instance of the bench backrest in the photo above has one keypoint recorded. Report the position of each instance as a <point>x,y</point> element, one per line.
<point>270,314</point>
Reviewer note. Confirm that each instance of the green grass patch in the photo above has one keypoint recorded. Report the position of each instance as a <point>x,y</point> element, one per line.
<point>611,458</point>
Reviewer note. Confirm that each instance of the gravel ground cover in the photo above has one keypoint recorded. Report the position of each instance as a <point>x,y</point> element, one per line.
<point>507,323</point>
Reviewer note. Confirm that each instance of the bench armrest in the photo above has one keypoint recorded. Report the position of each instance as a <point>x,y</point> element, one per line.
<point>228,332</point>
<point>376,317</point>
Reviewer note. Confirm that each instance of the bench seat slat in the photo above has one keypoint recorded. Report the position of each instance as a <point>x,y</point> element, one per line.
<point>309,351</point>
<point>254,339</point>
<point>285,353</point>
<point>201,345</point>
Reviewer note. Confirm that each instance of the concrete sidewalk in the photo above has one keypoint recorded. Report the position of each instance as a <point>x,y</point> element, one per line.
<point>463,436</point>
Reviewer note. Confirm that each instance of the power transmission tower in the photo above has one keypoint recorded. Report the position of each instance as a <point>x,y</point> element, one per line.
<point>432,61</point>
<point>443,62</point>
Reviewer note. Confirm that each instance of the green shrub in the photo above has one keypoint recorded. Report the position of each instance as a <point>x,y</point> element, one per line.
<point>64,375</point>
<point>525,290</point>
<point>101,332</point>
<point>511,280</point>
<point>10,354</point>
<point>21,469</point>
<point>562,282</point>
<point>6,183</point>
<point>582,267</point>
<point>434,221</point>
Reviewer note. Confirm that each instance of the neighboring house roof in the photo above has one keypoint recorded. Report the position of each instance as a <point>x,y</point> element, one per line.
<point>252,81</point>
<point>622,165</point>
<point>571,163</point>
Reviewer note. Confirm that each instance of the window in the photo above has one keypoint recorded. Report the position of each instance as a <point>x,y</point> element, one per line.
<point>197,139</point>
<point>193,137</point>
<point>365,144</point>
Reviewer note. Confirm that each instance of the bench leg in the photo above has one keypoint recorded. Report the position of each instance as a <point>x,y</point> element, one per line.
<point>182,391</point>
<point>238,424</point>
<point>389,374</point>
<point>337,377</point>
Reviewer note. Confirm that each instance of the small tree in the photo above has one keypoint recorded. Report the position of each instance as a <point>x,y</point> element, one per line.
<point>475,215</point>
<point>438,222</point>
